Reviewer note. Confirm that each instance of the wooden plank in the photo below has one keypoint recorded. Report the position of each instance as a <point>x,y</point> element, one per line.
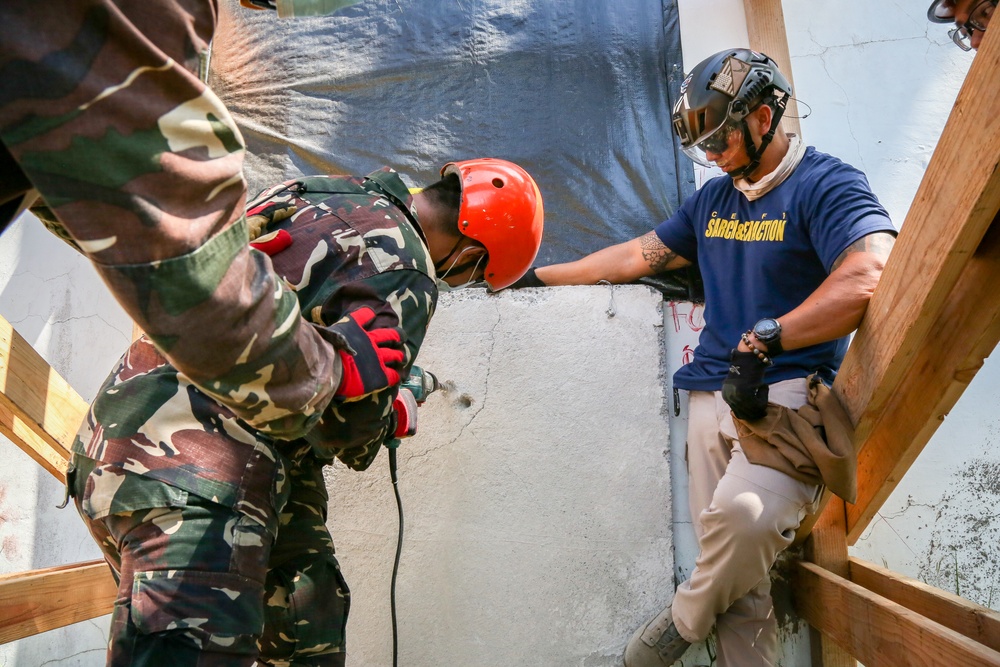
<point>877,631</point>
<point>936,378</point>
<point>955,204</point>
<point>766,28</point>
<point>41,600</point>
<point>968,618</point>
<point>39,411</point>
<point>827,547</point>
<point>50,456</point>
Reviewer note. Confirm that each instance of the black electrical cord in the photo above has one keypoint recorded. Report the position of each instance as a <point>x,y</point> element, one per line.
<point>399,547</point>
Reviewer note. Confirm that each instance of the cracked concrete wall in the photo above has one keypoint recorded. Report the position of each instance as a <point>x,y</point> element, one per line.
<point>536,492</point>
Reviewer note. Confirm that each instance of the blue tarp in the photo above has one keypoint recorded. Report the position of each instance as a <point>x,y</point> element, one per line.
<point>576,91</point>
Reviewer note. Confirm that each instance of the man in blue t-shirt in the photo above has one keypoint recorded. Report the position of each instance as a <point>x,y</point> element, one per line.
<point>790,248</point>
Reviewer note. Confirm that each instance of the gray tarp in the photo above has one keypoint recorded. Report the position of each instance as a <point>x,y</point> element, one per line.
<point>576,91</point>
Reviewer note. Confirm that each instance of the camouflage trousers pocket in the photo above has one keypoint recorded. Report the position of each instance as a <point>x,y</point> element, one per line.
<point>216,612</point>
<point>305,606</point>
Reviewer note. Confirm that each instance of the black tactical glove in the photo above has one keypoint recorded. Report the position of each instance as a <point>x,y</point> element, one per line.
<point>529,279</point>
<point>680,284</point>
<point>744,389</point>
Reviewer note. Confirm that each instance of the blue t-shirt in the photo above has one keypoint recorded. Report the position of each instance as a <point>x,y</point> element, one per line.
<point>763,258</point>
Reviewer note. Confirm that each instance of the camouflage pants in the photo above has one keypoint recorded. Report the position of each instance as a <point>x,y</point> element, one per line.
<point>201,584</point>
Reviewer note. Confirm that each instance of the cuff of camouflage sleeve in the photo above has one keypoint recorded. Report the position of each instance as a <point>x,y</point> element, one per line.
<point>224,319</point>
<point>178,283</point>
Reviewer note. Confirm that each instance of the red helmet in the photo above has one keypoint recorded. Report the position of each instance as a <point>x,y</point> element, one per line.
<point>502,209</point>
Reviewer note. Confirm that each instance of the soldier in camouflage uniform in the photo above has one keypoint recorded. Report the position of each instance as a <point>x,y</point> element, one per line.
<point>217,530</point>
<point>103,115</point>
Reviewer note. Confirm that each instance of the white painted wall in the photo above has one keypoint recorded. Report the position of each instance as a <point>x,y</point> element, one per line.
<point>880,81</point>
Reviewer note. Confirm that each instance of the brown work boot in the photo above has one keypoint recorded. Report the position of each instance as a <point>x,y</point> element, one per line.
<point>656,644</point>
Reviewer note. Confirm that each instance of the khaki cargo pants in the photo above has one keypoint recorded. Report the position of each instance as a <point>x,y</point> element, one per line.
<point>744,516</point>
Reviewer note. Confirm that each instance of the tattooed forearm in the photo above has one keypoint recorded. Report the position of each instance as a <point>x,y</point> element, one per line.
<point>879,243</point>
<point>657,255</point>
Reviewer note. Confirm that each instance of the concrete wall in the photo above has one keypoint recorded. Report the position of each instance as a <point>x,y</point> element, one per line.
<point>880,81</point>
<point>536,492</point>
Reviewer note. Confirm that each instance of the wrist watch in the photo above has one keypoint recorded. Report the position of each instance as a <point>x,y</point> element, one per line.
<point>768,331</point>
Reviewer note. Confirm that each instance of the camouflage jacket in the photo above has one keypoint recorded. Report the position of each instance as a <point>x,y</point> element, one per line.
<point>102,113</point>
<point>355,242</point>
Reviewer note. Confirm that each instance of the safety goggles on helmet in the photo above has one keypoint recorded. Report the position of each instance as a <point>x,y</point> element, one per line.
<point>716,143</point>
<point>502,210</point>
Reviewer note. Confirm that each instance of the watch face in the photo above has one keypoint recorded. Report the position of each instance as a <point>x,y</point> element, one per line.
<point>767,329</point>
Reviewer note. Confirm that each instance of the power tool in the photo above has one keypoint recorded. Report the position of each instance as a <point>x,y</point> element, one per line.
<point>412,392</point>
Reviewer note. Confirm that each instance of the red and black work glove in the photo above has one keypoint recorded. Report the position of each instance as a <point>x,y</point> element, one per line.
<point>258,4</point>
<point>372,357</point>
<point>744,389</point>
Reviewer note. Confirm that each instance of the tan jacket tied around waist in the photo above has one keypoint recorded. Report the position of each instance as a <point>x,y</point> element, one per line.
<point>814,444</point>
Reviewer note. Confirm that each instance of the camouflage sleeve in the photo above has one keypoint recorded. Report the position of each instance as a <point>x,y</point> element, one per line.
<point>141,163</point>
<point>354,431</point>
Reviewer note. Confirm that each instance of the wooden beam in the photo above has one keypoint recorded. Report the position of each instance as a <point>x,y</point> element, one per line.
<point>766,28</point>
<point>968,618</point>
<point>955,204</point>
<point>45,452</point>
<point>827,547</point>
<point>877,631</point>
<point>41,600</point>
<point>39,411</point>
<point>933,383</point>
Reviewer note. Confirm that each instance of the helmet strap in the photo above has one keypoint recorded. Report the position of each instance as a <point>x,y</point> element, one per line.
<point>439,265</point>
<point>753,152</point>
